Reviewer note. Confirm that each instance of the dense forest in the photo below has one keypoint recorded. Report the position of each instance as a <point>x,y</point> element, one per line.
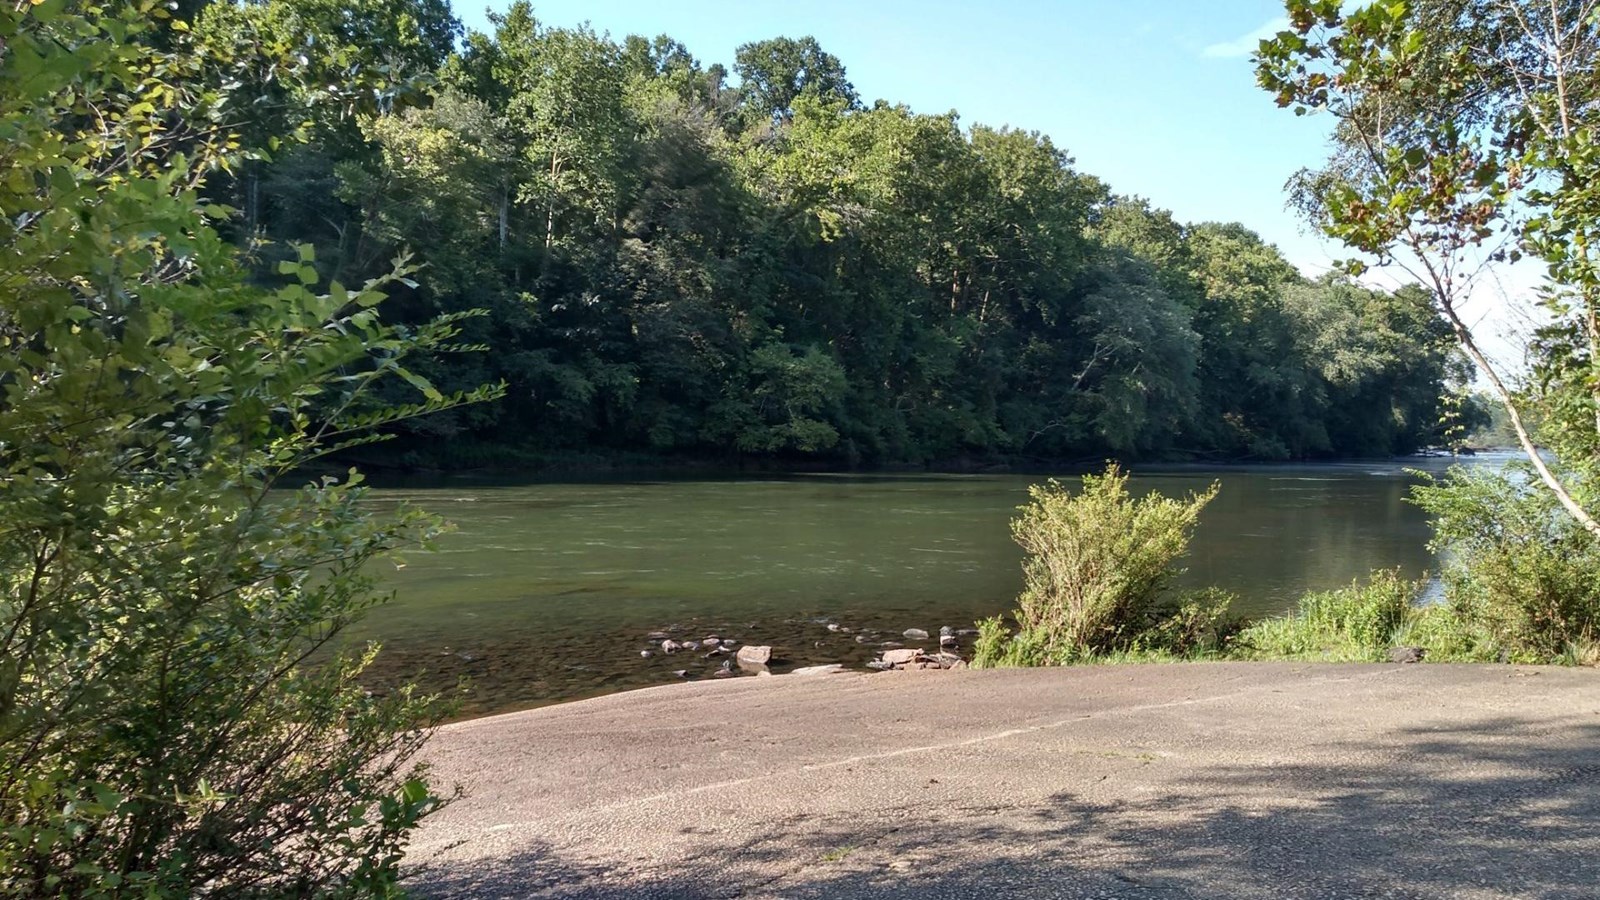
<point>686,261</point>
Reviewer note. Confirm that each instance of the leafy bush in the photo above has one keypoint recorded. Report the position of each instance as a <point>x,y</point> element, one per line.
<point>1354,623</point>
<point>1097,564</point>
<point>175,719</point>
<point>1200,624</point>
<point>1517,569</point>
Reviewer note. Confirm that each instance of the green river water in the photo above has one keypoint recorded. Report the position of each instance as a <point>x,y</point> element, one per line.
<point>546,591</point>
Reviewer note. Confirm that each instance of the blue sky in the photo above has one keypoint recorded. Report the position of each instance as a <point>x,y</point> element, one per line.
<point>1157,97</point>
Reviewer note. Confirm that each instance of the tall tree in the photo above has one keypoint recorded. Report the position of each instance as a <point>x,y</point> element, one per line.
<point>776,72</point>
<point>1466,135</point>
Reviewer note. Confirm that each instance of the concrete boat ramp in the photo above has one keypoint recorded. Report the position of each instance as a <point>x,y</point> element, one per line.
<point>1225,780</point>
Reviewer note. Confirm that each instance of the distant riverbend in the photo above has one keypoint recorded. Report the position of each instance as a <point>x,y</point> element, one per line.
<point>548,591</point>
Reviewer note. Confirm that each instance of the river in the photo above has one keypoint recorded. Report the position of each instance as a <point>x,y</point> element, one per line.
<point>546,591</point>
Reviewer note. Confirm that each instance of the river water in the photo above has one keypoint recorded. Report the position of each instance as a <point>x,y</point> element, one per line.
<point>546,591</point>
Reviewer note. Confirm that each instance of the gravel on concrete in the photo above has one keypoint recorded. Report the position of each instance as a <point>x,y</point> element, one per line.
<point>1225,780</point>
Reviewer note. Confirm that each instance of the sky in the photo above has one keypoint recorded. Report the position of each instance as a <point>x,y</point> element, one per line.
<point>1156,97</point>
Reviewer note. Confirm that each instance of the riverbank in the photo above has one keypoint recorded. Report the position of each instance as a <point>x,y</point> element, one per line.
<point>1225,780</point>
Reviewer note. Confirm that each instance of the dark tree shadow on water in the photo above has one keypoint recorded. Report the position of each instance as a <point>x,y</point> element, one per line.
<point>1504,810</point>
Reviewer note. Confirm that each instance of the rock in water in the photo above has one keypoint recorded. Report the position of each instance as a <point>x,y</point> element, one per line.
<point>753,655</point>
<point>646,654</point>
<point>947,640</point>
<point>901,657</point>
<point>711,643</point>
<point>669,646</point>
<point>915,634</point>
<point>819,670</point>
<point>690,645</point>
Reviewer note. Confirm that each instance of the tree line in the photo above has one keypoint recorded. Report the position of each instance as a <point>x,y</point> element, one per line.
<point>694,262</point>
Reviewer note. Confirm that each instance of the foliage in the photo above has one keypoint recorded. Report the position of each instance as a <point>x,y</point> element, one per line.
<point>1357,623</point>
<point>1517,570</point>
<point>175,719</point>
<point>1097,563</point>
<point>691,263</point>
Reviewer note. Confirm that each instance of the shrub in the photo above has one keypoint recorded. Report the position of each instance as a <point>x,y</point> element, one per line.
<point>1518,570</point>
<point>1199,624</point>
<point>1097,563</point>
<point>164,731</point>
<point>1354,623</point>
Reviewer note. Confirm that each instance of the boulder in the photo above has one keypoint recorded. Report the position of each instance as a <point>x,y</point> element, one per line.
<point>757,656</point>
<point>901,657</point>
<point>915,634</point>
<point>1407,654</point>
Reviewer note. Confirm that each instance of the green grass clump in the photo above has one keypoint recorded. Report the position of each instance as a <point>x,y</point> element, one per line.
<point>1354,624</point>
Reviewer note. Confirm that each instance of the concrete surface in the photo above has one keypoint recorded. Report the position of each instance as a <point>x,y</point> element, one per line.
<point>1163,781</point>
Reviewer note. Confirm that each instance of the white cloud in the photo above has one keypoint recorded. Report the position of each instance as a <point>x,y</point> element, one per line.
<point>1245,44</point>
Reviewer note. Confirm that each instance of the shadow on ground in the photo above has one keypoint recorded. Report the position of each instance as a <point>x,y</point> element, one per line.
<point>1500,810</point>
